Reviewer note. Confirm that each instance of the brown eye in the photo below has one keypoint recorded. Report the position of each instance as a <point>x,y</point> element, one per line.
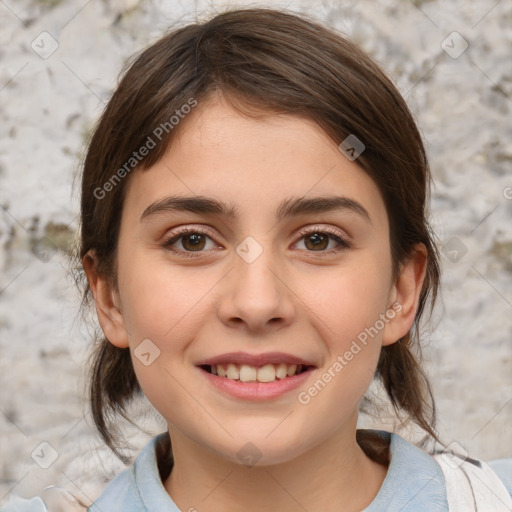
<point>193,242</point>
<point>319,241</point>
<point>190,242</point>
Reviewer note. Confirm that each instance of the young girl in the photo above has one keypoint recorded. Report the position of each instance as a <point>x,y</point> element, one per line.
<point>254,238</point>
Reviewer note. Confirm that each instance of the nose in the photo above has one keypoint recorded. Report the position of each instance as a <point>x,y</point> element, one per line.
<point>256,296</point>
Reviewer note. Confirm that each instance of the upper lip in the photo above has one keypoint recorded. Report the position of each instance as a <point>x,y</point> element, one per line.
<point>256,360</point>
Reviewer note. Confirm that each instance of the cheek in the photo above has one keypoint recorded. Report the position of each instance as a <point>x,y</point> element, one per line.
<point>349,301</point>
<point>349,321</point>
<point>158,302</point>
<point>164,307</point>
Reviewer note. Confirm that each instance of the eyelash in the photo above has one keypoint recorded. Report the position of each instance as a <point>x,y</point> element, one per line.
<point>334,234</point>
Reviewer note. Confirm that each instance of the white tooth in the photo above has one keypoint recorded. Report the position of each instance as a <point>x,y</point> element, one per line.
<point>214,369</point>
<point>281,371</point>
<point>291,370</point>
<point>232,372</point>
<point>221,371</point>
<point>247,373</point>
<point>266,373</point>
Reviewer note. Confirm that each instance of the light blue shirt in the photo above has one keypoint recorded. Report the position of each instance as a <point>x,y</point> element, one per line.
<point>414,483</point>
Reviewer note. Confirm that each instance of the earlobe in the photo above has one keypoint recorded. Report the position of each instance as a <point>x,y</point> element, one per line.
<point>405,295</point>
<point>106,301</point>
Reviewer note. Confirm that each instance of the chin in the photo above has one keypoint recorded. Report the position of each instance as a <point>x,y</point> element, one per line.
<point>257,449</point>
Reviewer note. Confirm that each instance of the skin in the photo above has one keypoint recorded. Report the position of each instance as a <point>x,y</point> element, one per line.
<point>293,298</point>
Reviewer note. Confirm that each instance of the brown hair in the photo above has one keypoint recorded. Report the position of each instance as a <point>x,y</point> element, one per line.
<point>271,61</point>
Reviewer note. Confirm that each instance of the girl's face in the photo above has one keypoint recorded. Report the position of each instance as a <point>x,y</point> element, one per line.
<point>251,237</point>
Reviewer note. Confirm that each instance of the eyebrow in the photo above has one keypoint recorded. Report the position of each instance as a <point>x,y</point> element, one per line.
<point>291,207</point>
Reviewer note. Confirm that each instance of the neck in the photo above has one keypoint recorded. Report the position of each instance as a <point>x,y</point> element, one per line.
<point>335,475</point>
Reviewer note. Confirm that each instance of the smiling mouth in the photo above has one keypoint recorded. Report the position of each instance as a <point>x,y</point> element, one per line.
<point>247,373</point>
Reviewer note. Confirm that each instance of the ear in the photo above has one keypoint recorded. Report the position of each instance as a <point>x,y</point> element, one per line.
<point>106,299</point>
<point>405,295</point>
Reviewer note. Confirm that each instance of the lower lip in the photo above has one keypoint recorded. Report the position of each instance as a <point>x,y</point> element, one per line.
<point>257,391</point>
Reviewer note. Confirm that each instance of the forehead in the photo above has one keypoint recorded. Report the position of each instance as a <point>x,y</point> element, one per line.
<point>217,124</point>
<point>252,162</point>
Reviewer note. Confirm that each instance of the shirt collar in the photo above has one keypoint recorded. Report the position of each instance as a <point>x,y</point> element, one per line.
<point>151,490</point>
<point>414,481</point>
